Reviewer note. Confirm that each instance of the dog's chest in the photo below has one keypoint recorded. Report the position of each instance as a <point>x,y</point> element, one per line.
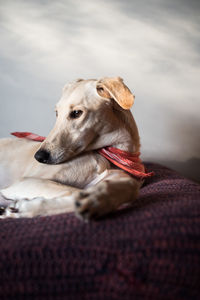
<point>6,177</point>
<point>81,171</point>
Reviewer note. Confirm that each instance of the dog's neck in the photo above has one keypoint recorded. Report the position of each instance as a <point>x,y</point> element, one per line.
<point>125,137</point>
<point>129,137</point>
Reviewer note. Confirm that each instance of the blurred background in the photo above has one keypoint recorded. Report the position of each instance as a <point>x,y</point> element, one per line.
<point>154,45</point>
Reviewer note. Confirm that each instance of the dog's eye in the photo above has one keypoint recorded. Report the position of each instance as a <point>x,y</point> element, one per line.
<point>56,113</point>
<point>75,114</point>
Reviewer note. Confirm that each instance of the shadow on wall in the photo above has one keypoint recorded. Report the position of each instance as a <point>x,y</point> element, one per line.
<point>184,135</point>
<point>189,168</point>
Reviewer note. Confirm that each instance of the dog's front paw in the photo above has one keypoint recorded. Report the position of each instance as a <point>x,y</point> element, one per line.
<point>9,211</point>
<point>93,202</point>
<point>23,208</point>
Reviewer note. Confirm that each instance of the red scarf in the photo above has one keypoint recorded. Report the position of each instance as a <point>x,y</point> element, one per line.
<point>129,162</point>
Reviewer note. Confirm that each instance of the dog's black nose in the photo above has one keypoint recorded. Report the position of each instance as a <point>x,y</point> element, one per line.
<point>42,156</point>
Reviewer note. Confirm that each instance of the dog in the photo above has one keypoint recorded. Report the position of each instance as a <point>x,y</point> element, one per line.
<point>66,172</point>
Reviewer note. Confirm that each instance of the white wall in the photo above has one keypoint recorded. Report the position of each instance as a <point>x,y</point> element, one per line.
<point>152,44</point>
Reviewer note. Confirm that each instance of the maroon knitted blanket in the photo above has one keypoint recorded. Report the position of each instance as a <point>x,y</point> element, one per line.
<point>149,251</point>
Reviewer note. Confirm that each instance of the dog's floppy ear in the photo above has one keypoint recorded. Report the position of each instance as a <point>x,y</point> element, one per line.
<point>114,88</point>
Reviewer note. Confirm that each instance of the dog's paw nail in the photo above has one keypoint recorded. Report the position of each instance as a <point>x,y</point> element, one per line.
<point>2,210</point>
<point>77,203</point>
<point>13,209</point>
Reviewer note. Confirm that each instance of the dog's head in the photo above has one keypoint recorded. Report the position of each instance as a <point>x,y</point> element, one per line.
<point>87,119</point>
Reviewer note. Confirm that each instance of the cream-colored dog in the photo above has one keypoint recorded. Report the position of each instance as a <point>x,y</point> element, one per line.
<point>65,172</point>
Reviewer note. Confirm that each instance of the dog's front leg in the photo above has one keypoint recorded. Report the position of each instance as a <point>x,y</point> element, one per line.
<point>33,197</point>
<point>26,208</point>
<point>114,190</point>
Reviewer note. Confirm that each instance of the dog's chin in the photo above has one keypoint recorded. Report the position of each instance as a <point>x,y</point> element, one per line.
<point>56,161</point>
<point>60,160</point>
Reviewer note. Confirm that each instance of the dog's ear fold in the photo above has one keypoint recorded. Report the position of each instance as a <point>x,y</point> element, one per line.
<point>114,88</point>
